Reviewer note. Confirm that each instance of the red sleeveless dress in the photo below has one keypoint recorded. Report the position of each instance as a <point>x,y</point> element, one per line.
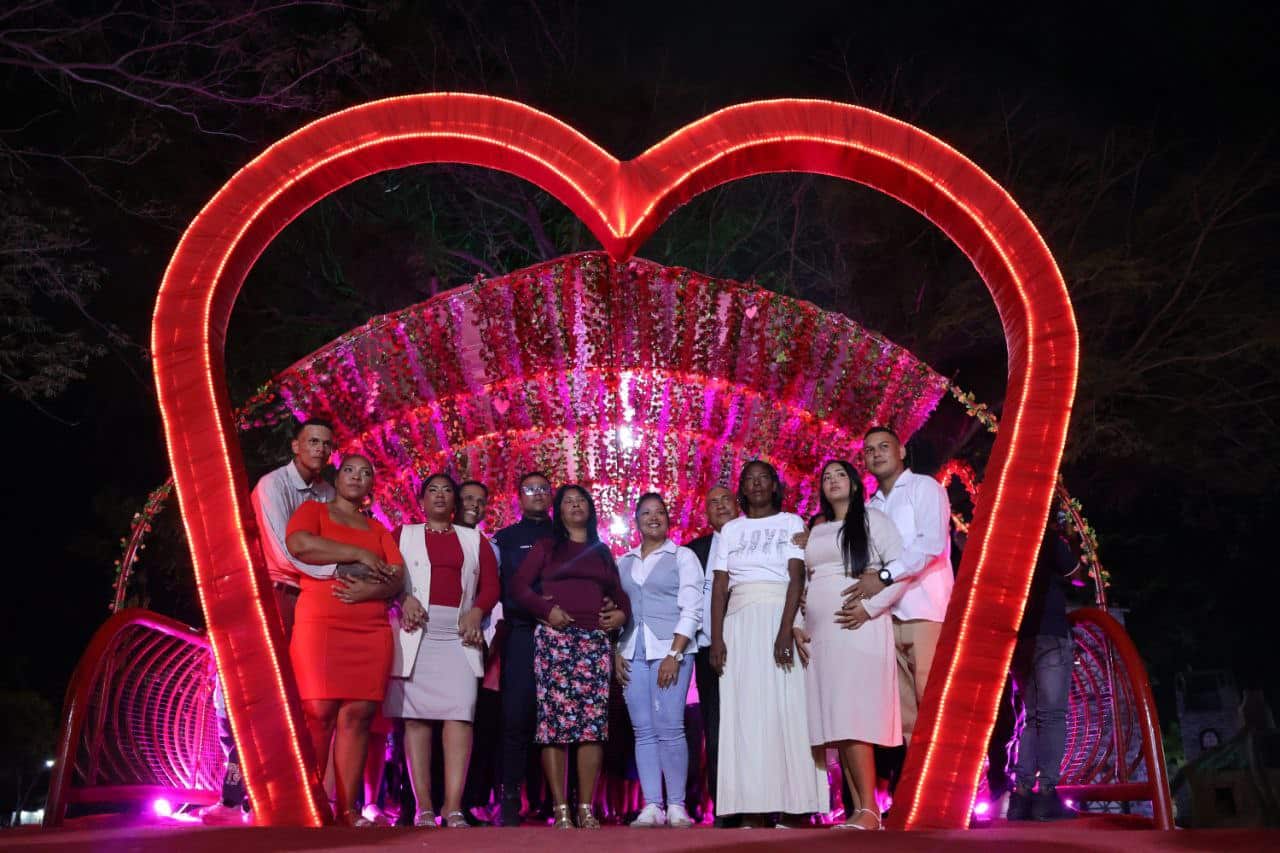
<point>340,651</point>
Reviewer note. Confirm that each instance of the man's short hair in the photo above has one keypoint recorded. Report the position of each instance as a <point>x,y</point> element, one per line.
<point>529,476</point>
<point>466,483</point>
<point>875,429</point>
<point>310,422</point>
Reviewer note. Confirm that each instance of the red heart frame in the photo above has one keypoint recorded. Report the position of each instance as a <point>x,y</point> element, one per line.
<point>622,203</point>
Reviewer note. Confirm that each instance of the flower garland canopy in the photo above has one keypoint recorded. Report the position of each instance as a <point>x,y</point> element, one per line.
<point>623,377</point>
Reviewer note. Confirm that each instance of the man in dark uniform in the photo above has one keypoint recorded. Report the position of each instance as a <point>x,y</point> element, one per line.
<point>519,694</point>
<point>722,507</point>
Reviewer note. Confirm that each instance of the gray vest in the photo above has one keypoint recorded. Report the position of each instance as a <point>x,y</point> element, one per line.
<point>655,602</point>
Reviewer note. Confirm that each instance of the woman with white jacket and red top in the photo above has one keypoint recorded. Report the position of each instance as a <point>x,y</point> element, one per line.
<point>451,584</point>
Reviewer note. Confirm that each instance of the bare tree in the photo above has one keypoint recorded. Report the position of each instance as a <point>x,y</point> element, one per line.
<point>93,91</point>
<point>203,61</point>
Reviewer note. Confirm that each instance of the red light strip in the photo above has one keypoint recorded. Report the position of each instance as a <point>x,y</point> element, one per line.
<point>484,122</point>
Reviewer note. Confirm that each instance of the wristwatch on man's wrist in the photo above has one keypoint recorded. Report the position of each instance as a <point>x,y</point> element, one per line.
<point>885,577</point>
<point>679,656</point>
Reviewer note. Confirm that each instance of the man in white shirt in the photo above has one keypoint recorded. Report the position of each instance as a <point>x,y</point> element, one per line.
<point>921,511</point>
<point>275,498</point>
<point>722,507</point>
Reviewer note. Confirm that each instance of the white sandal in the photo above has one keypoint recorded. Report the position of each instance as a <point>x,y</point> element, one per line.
<point>849,822</point>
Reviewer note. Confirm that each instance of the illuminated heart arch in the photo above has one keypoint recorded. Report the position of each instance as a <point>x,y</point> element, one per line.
<point>622,204</point>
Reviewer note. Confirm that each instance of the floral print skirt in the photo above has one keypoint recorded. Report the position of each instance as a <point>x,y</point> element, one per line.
<point>572,668</point>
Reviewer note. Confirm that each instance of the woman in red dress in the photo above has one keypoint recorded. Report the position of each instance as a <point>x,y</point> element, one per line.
<point>341,647</point>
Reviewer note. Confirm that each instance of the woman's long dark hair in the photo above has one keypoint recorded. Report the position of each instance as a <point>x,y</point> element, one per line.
<point>853,533</point>
<point>560,533</point>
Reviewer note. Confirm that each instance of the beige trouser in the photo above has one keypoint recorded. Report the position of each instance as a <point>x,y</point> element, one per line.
<point>916,640</point>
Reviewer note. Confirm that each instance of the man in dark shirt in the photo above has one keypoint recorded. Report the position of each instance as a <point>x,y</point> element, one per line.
<point>722,507</point>
<point>1041,671</point>
<point>486,754</point>
<point>519,693</point>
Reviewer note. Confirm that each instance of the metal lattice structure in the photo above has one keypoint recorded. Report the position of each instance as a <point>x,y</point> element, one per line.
<point>1114,750</point>
<point>139,720</point>
<point>1102,721</point>
<point>1114,755</point>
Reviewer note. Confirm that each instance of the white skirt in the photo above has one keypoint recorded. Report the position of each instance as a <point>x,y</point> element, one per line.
<point>766,763</point>
<point>442,685</point>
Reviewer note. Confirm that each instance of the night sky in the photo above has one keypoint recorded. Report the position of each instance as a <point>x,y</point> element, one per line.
<point>1198,75</point>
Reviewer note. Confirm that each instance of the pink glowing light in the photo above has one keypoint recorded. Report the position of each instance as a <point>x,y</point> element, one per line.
<point>161,807</point>
<point>624,377</point>
<point>982,808</point>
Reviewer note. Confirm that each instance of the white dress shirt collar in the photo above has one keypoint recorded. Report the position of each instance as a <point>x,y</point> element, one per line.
<point>668,547</point>
<point>902,480</point>
<point>295,478</point>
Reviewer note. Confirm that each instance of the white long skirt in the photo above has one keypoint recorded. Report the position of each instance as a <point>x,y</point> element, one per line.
<point>766,763</point>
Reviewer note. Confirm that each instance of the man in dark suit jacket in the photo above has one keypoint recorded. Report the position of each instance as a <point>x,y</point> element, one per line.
<point>722,507</point>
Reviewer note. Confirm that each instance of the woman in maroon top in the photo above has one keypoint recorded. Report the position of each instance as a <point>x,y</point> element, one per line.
<point>572,661</point>
<point>451,585</point>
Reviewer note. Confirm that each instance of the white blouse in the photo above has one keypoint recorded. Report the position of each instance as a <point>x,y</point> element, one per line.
<point>756,550</point>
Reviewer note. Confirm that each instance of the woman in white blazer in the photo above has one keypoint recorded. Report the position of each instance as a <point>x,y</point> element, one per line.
<point>451,584</point>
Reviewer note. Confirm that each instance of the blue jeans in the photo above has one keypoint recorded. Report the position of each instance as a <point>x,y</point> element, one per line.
<point>657,715</point>
<point>1042,679</point>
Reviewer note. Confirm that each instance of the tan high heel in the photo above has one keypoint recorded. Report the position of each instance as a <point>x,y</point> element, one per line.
<point>586,817</point>
<point>563,821</point>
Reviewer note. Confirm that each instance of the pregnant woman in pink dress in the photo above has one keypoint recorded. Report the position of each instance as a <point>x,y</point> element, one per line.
<point>852,677</point>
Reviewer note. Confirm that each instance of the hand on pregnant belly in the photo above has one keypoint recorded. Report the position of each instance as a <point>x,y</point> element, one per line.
<point>852,616</point>
<point>355,590</point>
<point>611,616</point>
<point>558,619</point>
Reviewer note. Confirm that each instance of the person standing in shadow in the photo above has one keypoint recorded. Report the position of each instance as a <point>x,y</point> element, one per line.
<point>722,507</point>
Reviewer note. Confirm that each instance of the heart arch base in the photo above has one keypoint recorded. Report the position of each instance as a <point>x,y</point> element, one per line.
<point>622,203</point>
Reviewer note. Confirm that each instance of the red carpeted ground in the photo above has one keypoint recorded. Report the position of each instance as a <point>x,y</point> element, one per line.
<point>1092,834</point>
